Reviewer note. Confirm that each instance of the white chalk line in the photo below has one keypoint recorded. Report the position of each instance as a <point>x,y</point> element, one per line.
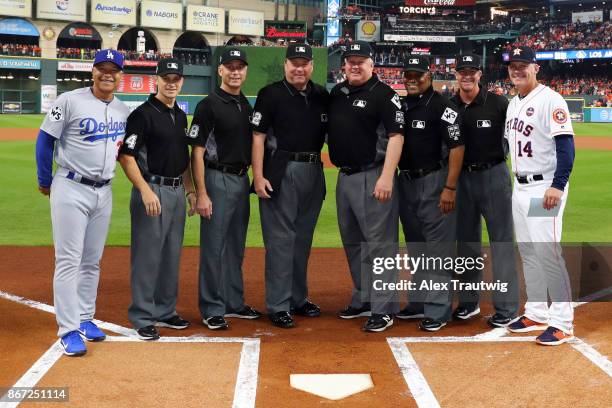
<point>419,388</point>
<point>248,367</point>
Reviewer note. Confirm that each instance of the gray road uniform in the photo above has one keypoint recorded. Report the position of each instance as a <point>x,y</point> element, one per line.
<point>89,133</point>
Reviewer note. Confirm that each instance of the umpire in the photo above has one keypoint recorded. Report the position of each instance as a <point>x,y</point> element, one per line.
<point>365,142</point>
<point>484,190</point>
<point>289,121</point>
<point>221,136</point>
<point>429,169</point>
<point>155,157</point>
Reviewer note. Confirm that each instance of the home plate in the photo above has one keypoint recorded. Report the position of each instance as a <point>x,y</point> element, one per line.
<point>332,386</point>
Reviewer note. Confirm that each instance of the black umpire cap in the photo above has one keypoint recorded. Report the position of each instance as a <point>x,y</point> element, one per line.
<point>167,66</point>
<point>230,54</point>
<point>358,48</point>
<point>416,63</point>
<point>467,61</point>
<point>299,50</point>
<point>522,54</point>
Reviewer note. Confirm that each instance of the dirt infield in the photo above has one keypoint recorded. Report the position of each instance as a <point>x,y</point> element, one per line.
<point>459,374</point>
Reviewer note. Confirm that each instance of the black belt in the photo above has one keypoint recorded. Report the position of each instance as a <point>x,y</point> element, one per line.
<point>481,166</point>
<point>305,157</point>
<point>414,174</point>
<point>164,181</point>
<point>226,168</point>
<point>80,179</point>
<point>529,179</point>
<point>348,170</point>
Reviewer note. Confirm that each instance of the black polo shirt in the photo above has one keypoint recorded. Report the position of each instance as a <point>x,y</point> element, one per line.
<point>297,119</point>
<point>221,124</point>
<point>482,127</point>
<point>155,136</point>
<point>360,116</point>
<point>433,125</point>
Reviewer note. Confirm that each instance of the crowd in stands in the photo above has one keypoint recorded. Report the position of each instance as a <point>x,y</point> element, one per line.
<point>76,53</point>
<point>569,36</point>
<point>596,86</point>
<point>20,50</point>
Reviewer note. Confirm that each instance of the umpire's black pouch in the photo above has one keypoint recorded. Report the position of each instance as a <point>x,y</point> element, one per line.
<point>274,167</point>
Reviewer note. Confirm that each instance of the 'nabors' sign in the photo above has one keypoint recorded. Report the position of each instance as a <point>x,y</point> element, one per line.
<point>159,14</point>
<point>122,12</point>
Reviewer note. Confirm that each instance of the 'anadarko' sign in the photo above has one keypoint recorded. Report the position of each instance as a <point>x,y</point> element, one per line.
<point>122,12</point>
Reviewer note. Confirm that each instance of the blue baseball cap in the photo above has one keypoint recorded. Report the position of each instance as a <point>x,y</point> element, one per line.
<point>109,55</point>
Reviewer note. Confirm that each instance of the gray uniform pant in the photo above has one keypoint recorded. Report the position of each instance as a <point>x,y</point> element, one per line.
<point>287,222</point>
<point>80,216</point>
<point>369,230</point>
<point>222,243</point>
<point>488,193</point>
<point>156,251</point>
<point>428,233</point>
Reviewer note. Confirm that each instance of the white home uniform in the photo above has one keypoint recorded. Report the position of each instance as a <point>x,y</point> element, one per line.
<point>532,122</point>
<point>89,133</point>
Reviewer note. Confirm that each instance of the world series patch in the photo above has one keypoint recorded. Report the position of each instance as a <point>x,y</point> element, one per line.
<point>453,132</point>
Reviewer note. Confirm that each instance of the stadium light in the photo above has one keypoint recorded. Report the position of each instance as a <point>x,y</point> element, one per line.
<point>2,76</point>
<point>10,76</point>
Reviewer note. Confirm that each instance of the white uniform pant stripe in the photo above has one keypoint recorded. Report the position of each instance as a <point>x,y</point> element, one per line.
<point>80,216</point>
<point>544,268</point>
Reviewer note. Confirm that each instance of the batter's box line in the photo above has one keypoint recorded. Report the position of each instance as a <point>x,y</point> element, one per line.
<point>418,385</point>
<point>245,390</point>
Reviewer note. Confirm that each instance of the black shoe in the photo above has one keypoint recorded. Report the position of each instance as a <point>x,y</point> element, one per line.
<point>247,312</point>
<point>148,333</point>
<point>215,322</point>
<point>309,309</point>
<point>464,312</point>
<point>431,325</point>
<point>281,319</point>
<point>411,312</point>
<point>175,322</point>
<point>498,320</point>
<point>351,313</point>
<point>378,323</point>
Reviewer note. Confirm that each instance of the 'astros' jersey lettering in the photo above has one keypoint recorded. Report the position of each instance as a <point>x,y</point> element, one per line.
<point>89,130</point>
<point>531,125</point>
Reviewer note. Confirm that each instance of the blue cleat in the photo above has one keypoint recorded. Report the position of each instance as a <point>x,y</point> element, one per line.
<point>90,332</point>
<point>73,344</point>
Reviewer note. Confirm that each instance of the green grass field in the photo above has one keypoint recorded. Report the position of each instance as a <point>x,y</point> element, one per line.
<point>34,121</point>
<point>26,219</point>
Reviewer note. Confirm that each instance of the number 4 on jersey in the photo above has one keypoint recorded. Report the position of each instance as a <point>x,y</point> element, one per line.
<point>524,149</point>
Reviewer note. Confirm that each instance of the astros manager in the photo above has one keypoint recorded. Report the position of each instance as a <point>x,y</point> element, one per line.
<point>365,141</point>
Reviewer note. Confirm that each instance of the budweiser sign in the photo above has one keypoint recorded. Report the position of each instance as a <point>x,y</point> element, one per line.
<point>273,32</point>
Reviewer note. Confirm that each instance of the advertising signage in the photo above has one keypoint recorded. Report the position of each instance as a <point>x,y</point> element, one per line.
<point>567,55</point>
<point>440,3</point>
<point>285,29</point>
